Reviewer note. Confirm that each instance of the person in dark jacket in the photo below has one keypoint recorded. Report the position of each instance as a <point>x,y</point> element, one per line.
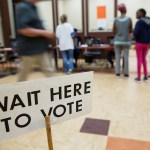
<point>142,38</point>
<point>77,42</point>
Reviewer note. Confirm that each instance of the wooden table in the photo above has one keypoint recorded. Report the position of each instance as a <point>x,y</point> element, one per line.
<point>5,50</point>
<point>102,48</point>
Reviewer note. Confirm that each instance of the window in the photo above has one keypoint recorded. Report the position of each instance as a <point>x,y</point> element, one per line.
<point>137,4</point>
<point>73,9</point>
<point>46,14</point>
<point>1,33</point>
<point>101,15</point>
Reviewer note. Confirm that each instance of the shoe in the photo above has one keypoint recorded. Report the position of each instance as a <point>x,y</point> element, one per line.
<point>138,80</point>
<point>112,66</point>
<point>145,79</point>
<point>69,72</point>
<point>126,75</point>
<point>118,75</point>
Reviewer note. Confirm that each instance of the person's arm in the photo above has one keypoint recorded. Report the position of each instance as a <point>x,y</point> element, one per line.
<point>72,32</point>
<point>131,27</point>
<point>31,32</point>
<point>136,29</point>
<point>24,19</point>
<point>114,28</point>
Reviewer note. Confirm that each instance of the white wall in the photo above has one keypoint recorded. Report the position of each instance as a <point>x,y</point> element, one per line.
<point>73,9</point>
<point>1,33</point>
<point>12,23</point>
<point>93,21</point>
<point>60,8</point>
<point>45,13</point>
<point>134,5</point>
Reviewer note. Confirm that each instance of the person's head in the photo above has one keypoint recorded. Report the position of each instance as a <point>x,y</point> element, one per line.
<point>122,8</point>
<point>63,18</point>
<point>141,13</point>
<point>75,30</point>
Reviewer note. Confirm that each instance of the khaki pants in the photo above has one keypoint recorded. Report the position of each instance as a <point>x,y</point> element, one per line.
<point>42,60</point>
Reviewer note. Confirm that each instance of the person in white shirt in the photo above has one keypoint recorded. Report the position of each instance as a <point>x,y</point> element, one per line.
<point>65,34</point>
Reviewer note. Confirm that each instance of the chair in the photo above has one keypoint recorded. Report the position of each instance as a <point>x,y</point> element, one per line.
<point>12,61</point>
<point>89,40</point>
<point>2,60</point>
<point>90,55</point>
<point>77,44</point>
<point>12,57</point>
<point>110,40</point>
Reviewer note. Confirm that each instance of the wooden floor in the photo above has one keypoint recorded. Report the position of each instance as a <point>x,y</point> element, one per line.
<point>123,102</point>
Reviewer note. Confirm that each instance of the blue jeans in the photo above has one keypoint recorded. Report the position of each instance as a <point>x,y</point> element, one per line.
<point>68,60</point>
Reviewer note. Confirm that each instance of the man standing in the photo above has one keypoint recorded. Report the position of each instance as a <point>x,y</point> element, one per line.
<point>33,39</point>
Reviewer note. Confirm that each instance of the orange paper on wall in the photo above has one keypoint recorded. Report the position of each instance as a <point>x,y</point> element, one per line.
<point>101,12</point>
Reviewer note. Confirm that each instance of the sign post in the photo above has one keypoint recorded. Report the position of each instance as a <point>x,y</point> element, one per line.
<point>49,132</point>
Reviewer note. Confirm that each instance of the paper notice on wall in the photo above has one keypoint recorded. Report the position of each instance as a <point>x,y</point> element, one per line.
<point>101,23</point>
<point>101,12</point>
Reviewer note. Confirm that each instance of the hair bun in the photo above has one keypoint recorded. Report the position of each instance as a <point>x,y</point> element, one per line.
<point>121,7</point>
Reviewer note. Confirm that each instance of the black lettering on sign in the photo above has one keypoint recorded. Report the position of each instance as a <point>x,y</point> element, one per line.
<point>49,113</point>
<point>78,105</point>
<point>6,123</point>
<point>86,87</point>
<point>56,112</point>
<point>60,110</point>
<point>22,125</point>
<point>43,113</point>
<point>29,99</point>
<point>14,103</point>
<point>52,94</point>
<point>70,107</point>
<point>35,93</point>
<point>67,91</point>
<point>77,88</point>
<point>4,106</point>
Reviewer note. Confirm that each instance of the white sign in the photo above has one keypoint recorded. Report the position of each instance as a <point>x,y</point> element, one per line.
<point>23,106</point>
<point>101,23</point>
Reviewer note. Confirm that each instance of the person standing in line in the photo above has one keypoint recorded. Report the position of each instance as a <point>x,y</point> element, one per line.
<point>122,28</point>
<point>33,40</point>
<point>77,42</point>
<point>65,34</point>
<point>142,38</point>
